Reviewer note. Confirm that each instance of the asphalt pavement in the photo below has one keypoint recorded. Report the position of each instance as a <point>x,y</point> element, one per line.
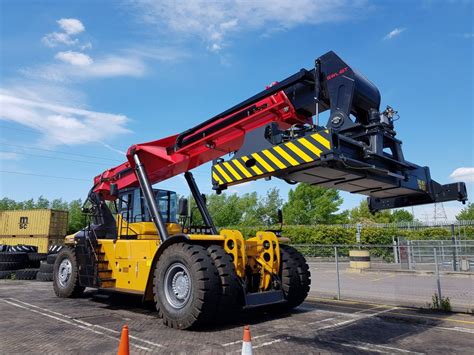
<point>34,320</point>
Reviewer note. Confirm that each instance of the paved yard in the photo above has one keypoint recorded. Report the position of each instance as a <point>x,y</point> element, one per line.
<point>396,288</point>
<point>33,320</point>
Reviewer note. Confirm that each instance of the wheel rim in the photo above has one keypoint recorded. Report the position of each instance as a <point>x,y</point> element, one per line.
<point>177,285</point>
<point>64,272</point>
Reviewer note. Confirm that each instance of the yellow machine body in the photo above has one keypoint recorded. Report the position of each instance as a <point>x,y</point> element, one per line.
<point>125,264</point>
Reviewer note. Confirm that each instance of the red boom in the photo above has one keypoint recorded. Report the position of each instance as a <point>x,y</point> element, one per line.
<point>163,161</point>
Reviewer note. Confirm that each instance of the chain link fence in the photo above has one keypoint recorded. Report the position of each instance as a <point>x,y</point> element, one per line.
<point>427,274</point>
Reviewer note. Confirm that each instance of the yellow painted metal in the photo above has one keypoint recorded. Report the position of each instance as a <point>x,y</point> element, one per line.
<point>322,140</point>
<point>37,223</point>
<point>130,261</point>
<point>310,146</point>
<point>299,151</point>
<point>143,230</point>
<point>263,254</point>
<point>234,244</point>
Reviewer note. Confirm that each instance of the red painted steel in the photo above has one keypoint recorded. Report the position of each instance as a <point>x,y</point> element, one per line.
<point>162,161</point>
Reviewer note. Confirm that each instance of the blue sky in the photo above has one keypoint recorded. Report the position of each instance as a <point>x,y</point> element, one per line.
<point>81,81</point>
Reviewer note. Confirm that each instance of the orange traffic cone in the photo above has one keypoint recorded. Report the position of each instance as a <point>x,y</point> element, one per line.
<point>124,347</point>
<point>247,342</point>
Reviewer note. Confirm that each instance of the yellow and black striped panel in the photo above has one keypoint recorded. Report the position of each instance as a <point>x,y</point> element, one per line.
<point>283,156</point>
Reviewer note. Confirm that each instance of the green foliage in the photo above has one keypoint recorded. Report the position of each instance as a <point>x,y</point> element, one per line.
<point>401,216</point>
<point>76,218</point>
<point>327,234</point>
<point>467,213</point>
<point>247,209</point>
<point>361,214</point>
<point>441,304</point>
<point>309,204</point>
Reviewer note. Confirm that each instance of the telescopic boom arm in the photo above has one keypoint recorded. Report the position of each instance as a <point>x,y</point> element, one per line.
<point>272,134</point>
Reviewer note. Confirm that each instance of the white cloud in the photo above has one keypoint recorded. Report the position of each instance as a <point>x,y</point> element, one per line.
<point>9,156</point>
<point>83,67</point>
<point>463,174</point>
<point>58,123</point>
<point>215,21</point>
<point>55,38</point>
<point>162,54</point>
<point>74,58</point>
<point>71,26</point>
<point>394,33</point>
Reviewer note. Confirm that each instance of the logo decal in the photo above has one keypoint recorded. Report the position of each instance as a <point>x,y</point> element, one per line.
<point>23,222</point>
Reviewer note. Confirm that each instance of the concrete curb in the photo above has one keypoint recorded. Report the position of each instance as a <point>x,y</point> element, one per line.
<point>417,272</point>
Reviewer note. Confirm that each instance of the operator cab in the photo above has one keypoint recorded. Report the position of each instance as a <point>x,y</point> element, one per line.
<point>133,217</point>
<point>131,205</point>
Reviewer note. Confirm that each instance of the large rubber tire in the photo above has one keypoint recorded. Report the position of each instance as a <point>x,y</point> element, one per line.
<point>11,265</point>
<point>51,258</point>
<point>6,274</point>
<point>37,256</point>
<point>230,299</point>
<point>41,276</point>
<point>66,287</point>
<point>26,274</point>
<point>46,268</point>
<point>200,299</point>
<point>295,276</point>
<point>13,257</point>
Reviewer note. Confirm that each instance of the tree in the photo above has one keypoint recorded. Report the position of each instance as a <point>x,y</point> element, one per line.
<point>401,216</point>
<point>361,214</point>
<point>76,217</point>
<point>267,207</point>
<point>8,204</point>
<point>467,213</point>
<point>308,204</point>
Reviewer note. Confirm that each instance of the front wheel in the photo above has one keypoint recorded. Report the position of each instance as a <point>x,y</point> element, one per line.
<point>65,275</point>
<point>186,286</point>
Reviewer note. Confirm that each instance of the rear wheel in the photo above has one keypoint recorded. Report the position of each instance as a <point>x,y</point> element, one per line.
<point>230,292</point>
<point>185,286</point>
<point>295,276</point>
<point>65,275</point>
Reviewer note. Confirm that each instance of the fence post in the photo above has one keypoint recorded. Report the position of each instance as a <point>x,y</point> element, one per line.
<point>453,239</point>
<point>438,283</point>
<point>395,251</point>
<point>409,252</point>
<point>337,274</point>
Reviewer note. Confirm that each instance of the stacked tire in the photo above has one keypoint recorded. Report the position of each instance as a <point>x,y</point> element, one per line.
<point>11,262</point>
<point>23,262</point>
<point>45,272</point>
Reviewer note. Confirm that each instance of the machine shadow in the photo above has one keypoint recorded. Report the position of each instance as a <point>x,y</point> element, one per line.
<point>112,300</point>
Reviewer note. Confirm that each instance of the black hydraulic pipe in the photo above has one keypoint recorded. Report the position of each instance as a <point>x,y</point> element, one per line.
<point>303,74</point>
<point>201,205</point>
<point>150,198</point>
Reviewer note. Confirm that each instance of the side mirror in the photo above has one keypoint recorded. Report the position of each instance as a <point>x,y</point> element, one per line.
<point>183,207</point>
<point>113,190</point>
<point>280,216</point>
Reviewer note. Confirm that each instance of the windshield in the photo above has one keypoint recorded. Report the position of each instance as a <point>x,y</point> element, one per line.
<point>132,206</point>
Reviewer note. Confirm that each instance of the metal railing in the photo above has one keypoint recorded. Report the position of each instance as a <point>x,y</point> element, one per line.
<point>412,274</point>
<point>414,224</point>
